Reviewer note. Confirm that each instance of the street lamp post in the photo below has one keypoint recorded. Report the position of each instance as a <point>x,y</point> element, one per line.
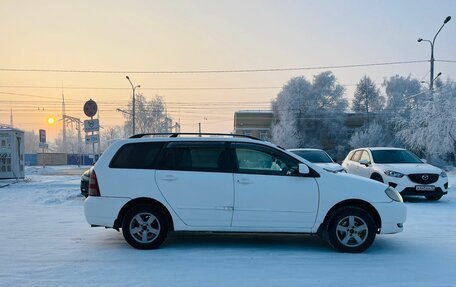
<point>431,81</point>
<point>134,104</point>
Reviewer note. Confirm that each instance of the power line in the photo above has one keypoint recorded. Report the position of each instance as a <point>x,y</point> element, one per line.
<point>142,88</point>
<point>446,61</point>
<point>211,71</point>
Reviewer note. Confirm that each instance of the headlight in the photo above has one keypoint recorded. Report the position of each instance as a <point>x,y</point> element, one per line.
<point>393,194</point>
<point>443,174</point>
<point>393,173</point>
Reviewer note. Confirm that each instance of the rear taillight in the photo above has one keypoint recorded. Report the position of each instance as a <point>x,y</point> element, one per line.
<point>94,190</point>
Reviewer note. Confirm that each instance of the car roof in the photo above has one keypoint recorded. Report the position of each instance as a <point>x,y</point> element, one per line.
<point>195,138</point>
<point>385,148</point>
<point>305,149</point>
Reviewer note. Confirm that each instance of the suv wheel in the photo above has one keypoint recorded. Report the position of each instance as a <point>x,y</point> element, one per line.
<point>351,229</point>
<point>144,227</point>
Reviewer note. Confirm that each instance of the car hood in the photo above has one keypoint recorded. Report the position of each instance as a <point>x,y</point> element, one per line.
<point>409,168</point>
<point>330,166</point>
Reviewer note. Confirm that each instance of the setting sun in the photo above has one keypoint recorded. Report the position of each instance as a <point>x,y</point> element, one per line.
<point>51,120</point>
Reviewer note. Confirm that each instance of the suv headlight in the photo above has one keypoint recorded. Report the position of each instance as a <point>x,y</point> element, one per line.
<point>393,194</point>
<point>443,174</point>
<point>393,173</point>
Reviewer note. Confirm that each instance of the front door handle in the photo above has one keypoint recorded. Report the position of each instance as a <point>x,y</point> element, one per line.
<point>169,178</point>
<point>244,181</point>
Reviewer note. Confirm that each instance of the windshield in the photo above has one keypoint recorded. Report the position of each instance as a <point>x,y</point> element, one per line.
<point>394,156</point>
<point>315,156</point>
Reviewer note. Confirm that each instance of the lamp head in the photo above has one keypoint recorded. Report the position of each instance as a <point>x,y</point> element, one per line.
<point>419,40</point>
<point>127,78</point>
<point>447,19</point>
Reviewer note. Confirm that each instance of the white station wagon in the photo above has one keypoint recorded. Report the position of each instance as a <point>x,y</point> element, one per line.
<point>149,186</point>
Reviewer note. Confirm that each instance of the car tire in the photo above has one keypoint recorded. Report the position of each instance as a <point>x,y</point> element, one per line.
<point>145,227</point>
<point>377,177</point>
<point>351,229</point>
<point>433,197</point>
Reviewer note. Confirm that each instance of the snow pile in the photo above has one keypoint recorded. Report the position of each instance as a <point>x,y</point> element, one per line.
<point>45,241</point>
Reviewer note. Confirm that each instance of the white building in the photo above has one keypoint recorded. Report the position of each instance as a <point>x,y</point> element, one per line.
<point>11,153</point>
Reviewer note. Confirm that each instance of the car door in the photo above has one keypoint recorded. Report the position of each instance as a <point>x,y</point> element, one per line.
<point>365,170</point>
<point>352,163</point>
<point>269,191</point>
<point>196,180</point>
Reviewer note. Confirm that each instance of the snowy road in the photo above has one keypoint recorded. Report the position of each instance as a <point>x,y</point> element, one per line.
<point>45,241</point>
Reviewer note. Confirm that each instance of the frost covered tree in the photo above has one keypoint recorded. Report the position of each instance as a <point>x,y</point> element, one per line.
<point>402,93</point>
<point>431,128</point>
<point>151,116</point>
<point>367,97</point>
<point>111,134</point>
<point>373,135</point>
<point>31,141</point>
<point>308,113</point>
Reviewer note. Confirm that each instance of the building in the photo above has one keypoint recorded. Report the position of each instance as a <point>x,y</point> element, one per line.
<point>258,124</point>
<point>11,153</point>
<point>253,123</point>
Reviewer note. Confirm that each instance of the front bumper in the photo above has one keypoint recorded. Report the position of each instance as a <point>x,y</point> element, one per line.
<point>393,215</point>
<point>84,188</point>
<point>407,187</point>
<point>412,191</point>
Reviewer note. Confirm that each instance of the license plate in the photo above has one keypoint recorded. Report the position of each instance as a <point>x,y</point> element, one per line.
<point>425,188</point>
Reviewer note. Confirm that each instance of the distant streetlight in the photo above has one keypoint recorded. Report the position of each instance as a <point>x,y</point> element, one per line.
<point>431,82</point>
<point>134,104</point>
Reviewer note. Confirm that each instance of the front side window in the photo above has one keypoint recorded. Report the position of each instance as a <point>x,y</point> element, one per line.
<point>365,156</point>
<point>263,160</point>
<point>196,156</point>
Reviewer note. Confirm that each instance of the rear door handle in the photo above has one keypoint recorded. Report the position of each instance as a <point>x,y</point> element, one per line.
<point>244,181</point>
<point>169,178</point>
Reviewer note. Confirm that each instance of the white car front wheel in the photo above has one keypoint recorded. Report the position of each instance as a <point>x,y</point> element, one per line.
<point>351,229</point>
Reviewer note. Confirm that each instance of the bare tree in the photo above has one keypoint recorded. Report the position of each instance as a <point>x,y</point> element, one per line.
<point>151,116</point>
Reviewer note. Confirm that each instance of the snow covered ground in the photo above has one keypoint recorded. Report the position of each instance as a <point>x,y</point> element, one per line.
<point>45,241</point>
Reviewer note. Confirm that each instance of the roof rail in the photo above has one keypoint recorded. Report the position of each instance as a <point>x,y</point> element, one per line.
<point>175,135</point>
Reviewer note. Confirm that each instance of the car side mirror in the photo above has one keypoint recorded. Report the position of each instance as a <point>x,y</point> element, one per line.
<point>303,169</point>
<point>364,162</point>
<point>424,160</point>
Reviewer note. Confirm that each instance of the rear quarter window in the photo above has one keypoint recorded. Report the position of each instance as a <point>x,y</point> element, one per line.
<point>137,155</point>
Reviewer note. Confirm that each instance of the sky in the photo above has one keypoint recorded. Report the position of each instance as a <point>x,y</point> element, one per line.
<point>196,35</point>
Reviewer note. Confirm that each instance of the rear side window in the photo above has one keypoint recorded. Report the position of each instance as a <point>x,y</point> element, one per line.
<point>196,156</point>
<point>137,155</point>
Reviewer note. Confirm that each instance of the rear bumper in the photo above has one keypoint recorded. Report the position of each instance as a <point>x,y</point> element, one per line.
<point>102,210</point>
<point>393,216</point>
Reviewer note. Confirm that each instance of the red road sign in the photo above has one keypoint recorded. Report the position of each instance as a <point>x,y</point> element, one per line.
<point>90,108</point>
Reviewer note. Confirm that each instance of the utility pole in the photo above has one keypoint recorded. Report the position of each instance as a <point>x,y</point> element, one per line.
<point>68,119</point>
<point>11,116</point>
<point>64,139</point>
<point>199,128</point>
<point>134,104</point>
<point>432,43</point>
